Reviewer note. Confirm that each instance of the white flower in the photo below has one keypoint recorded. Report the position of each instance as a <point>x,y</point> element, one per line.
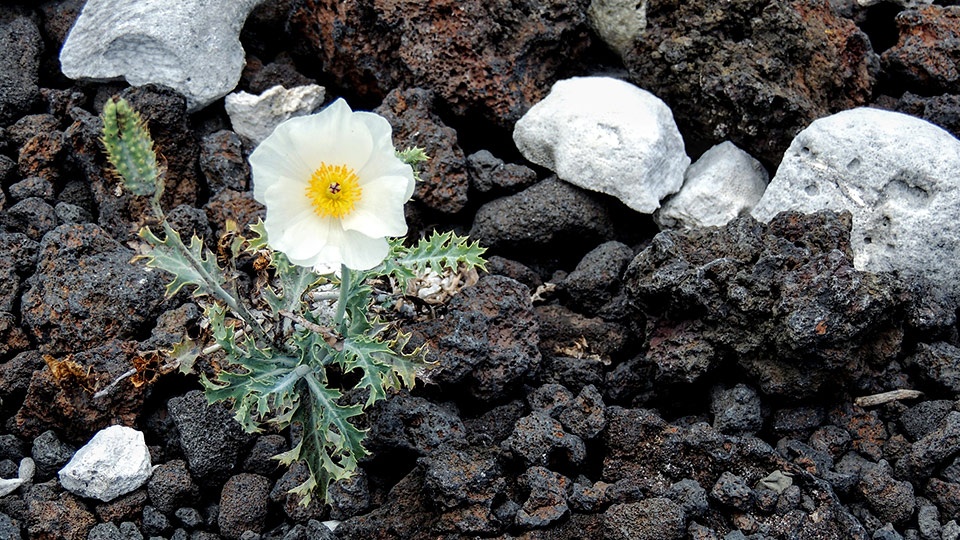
<point>333,187</point>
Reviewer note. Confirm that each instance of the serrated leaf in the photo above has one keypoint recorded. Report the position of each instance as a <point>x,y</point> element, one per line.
<point>294,281</point>
<point>439,251</point>
<point>190,265</point>
<point>259,241</point>
<point>381,367</point>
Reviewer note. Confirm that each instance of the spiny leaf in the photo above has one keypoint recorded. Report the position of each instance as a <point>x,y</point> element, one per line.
<point>439,251</point>
<point>381,367</point>
<point>190,265</point>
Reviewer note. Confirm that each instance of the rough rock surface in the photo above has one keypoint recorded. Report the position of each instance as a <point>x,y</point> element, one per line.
<point>115,462</point>
<point>210,438</point>
<point>494,60</point>
<point>147,41</point>
<point>444,177</point>
<point>782,300</point>
<point>723,184</point>
<point>926,55</point>
<point>20,47</point>
<point>900,178</point>
<point>606,135</point>
<point>66,305</point>
<point>796,61</point>
<point>618,22</point>
<point>255,116</point>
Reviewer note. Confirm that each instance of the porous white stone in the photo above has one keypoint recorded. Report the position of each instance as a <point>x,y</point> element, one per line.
<point>723,184</point>
<point>606,135</point>
<point>255,117</point>
<point>192,46</point>
<point>618,22</point>
<point>115,462</point>
<point>898,175</point>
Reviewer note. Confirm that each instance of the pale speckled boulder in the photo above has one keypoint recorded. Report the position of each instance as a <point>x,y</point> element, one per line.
<point>724,183</point>
<point>606,135</point>
<point>115,462</point>
<point>898,175</point>
<point>255,116</point>
<point>192,46</point>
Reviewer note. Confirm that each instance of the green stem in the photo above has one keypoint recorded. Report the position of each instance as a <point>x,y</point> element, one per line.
<point>345,285</point>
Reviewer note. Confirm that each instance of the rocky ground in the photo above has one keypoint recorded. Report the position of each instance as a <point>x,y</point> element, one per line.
<point>600,381</point>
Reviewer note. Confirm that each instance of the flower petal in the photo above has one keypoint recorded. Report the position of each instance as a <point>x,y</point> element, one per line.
<point>361,252</point>
<point>379,212</point>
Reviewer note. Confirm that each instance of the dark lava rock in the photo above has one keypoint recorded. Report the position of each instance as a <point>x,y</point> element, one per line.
<point>33,186</point>
<point>20,48</point>
<point>938,363</point>
<point>597,278</point>
<point>489,59</point>
<point>943,110</point>
<point>564,332</point>
<point>649,519</point>
<point>444,177</point>
<point>584,416</point>
<point>260,459</point>
<point>456,478</point>
<point>783,300</point>
<point>932,450</point>
<point>540,440</point>
<point>946,495</point>
<point>210,437</point>
<point>232,205</point>
<point>350,497</point>
<point>796,61</point>
<point>405,513</point>
<point>924,417</point>
<point>60,395</point>
<point>292,505</point>
<point>831,440</point>
<point>925,58</point>
<point>171,486</point>
<point>127,507</point>
<point>223,163</point>
<point>733,491</point>
<point>867,430</point>
<point>49,454</point>
<point>736,410</point>
<point>412,424</point>
<point>30,126</point>
<point>40,156</point>
<point>52,514</point>
<point>488,173</point>
<point>85,291</point>
<point>551,215</point>
<point>547,501</point>
<point>32,216</point>
<point>893,500</point>
<point>487,340</point>
<point>243,505</point>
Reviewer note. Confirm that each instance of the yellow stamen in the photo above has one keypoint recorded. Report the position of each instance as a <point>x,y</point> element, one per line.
<point>333,190</point>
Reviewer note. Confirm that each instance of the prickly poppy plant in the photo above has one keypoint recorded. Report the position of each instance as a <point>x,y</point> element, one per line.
<point>302,336</point>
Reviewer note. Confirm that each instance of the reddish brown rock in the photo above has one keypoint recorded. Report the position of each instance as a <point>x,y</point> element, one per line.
<point>926,57</point>
<point>751,71</point>
<point>492,58</point>
<point>444,177</point>
<point>232,205</point>
<point>40,154</point>
<point>56,516</point>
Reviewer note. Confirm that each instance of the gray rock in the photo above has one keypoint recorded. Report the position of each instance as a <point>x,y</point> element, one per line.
<point>223,163</point>
<point>115,462</point>
<point>154,522</point>
<point>732,491</point>
<point>487,172</point>
<point>618,22</point>
<point>950,530</point>
<point>540,440</point>
<point>597,278</point>
<point>255,116</point>
<point>243,505</point>
<point>9,529</point>
<point>209,435</point>
<point>933,449</point>
<point>723,184</point>
<point>171,486</point>
<point>462,477</point>
<point>649,519</point>
<point>939,363</point>
<point>609,136</point>
<point>736,410</point>
<point>66,306</point>
<point>898,175</point>
<point>20,48</point>
<point>928,521</point>
<point>548,215</point>
<point>691,497</point>
<point>893,500</point>
<point>153,41</point>
<point>547,502</point>
<point>49,454</point>
<point>924,417</point>
<point>412,424</point>
<point>105,531</point>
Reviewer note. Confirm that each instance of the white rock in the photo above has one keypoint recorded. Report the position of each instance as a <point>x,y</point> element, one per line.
<point>115,462</point>
<point>8,486</point>
<point>618,22</point>
<point>606,135</point>
<point>898,175</point>
<point>27,469</point>
<point>723,184</point>
<point>192,46</point>
<point>255,117</point>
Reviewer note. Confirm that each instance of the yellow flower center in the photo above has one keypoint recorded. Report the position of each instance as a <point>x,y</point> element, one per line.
<point>333,190</point>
